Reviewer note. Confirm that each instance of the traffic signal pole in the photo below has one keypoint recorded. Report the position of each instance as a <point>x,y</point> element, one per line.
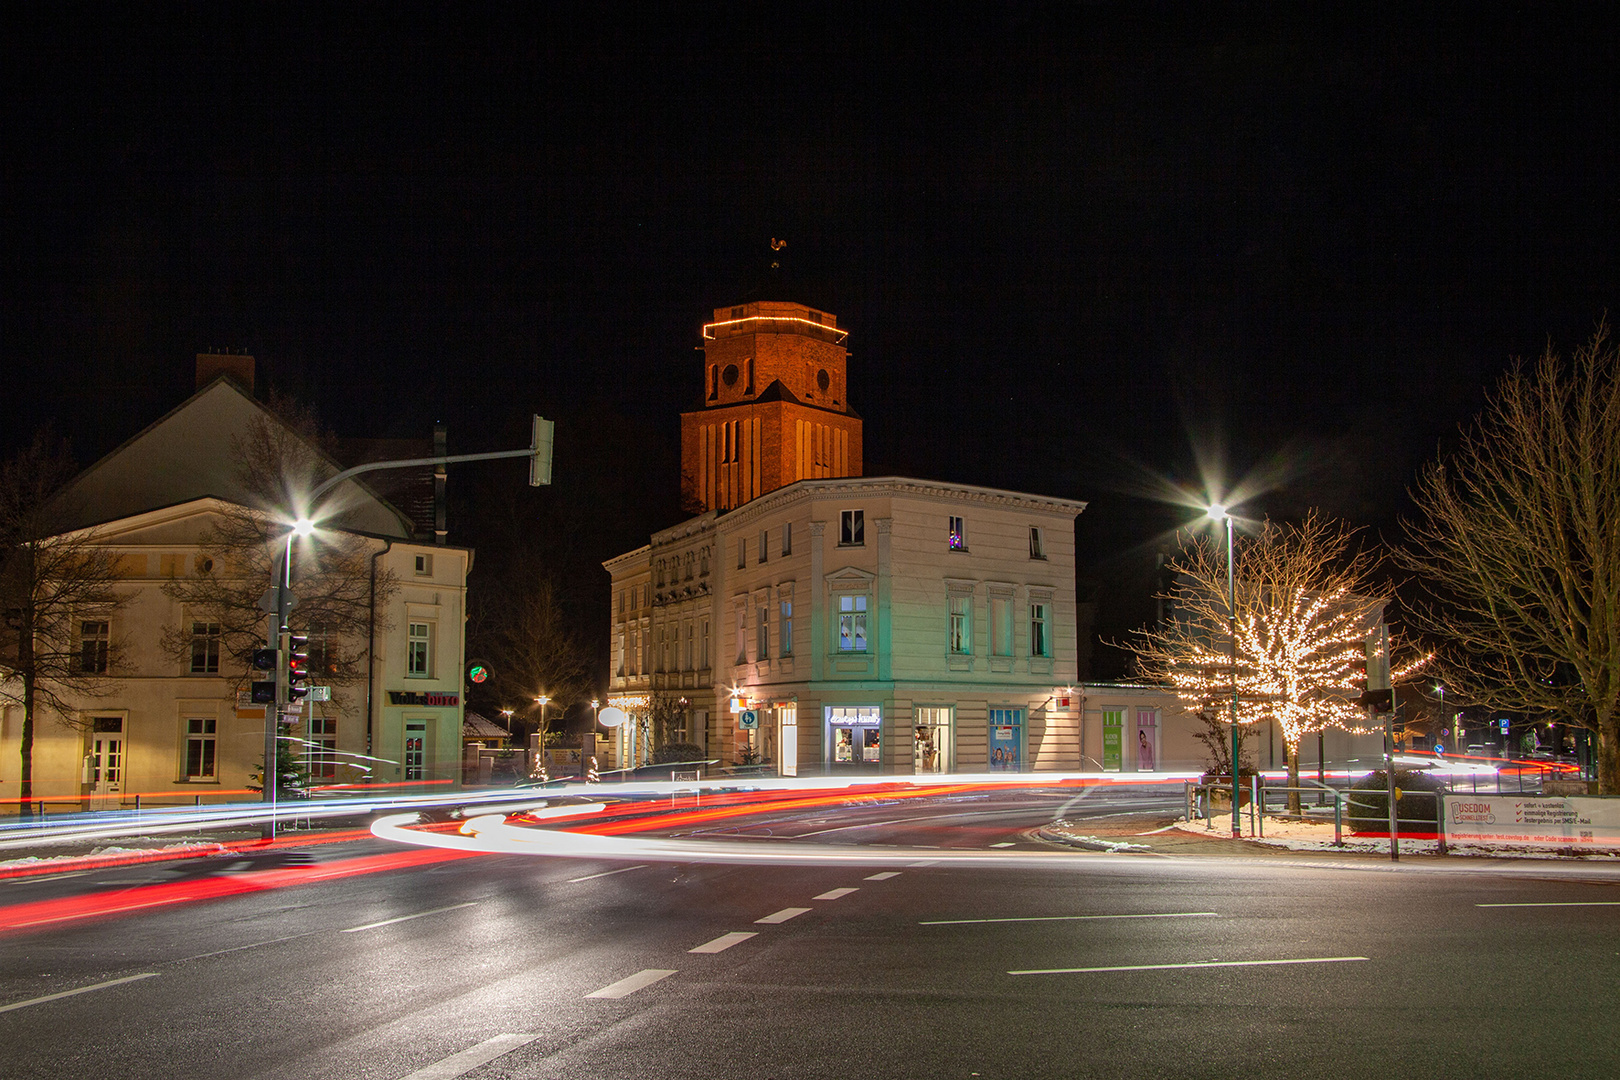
<point>539,454</point>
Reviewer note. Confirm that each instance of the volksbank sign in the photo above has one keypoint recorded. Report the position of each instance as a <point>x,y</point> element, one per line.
<point>413,697</point>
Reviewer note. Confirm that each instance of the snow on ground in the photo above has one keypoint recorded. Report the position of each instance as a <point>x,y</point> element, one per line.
<point>112,852</point>
<point>1296,835</point>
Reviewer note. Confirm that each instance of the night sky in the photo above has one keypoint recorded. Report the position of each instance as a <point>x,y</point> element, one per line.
<point>1079,249</point>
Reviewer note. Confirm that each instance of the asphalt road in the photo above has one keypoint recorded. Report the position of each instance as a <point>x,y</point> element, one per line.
<point>1098,965</point>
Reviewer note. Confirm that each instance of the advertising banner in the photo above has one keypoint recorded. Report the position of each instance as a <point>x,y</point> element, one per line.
<point>1542,822</point>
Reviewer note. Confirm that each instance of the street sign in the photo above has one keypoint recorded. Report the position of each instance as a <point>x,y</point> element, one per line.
<point>320,693</point>
<point>749,719</point>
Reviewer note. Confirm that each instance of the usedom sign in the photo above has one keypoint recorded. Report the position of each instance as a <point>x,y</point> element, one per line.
<point>1503,819</point>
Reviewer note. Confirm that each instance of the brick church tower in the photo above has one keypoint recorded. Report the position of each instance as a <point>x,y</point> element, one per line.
<point>774,406</point>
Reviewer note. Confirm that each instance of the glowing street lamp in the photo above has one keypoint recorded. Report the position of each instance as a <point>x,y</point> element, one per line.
<point>1217,512</point>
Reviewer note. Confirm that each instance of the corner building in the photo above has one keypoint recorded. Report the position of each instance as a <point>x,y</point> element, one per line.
<point>813,621</point>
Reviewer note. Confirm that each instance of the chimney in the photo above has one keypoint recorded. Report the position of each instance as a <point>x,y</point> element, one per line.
<point>239,366</point>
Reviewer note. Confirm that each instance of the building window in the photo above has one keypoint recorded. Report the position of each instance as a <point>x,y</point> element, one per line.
<point>703,561</point>
<point>621,601</point>
<point>1037,549</point>
<point>424,566</point>
<point>786,628</point>
<point>691,653</point>
<point>961,628</point>
<point>787,538</point>
<point>852,528</point>
<point>323,747</point>
<point>742,635</point>
<point>660,573</point>
<point>689,561</point>
<point>852,623</point>
<point>200,735</point>
<point>205,648</point>
<point>764,633</point>
<point>94,638</point>
<point>1039,643</point>
<point>703,645</point>
<point>764,545</point>
<point>956,538</point>
<point>1001,626</point>
<point>419,651</point>
<point>742,553</point>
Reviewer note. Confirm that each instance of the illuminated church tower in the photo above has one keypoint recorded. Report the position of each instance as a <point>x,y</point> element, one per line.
<point>774,406</point>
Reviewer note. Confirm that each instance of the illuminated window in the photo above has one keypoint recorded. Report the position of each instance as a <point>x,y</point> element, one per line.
<point>852,528</point>
<point>200,736</point>
<point>94,640</point>
<point>852,623</point>
<point>323,747</point>
<point>786,631</point>
<point>957,538</point>
<point>205,648</point>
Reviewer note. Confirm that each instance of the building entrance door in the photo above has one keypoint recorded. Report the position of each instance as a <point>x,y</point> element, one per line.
<point>931,741</point>
<point>104,767</point>
<point>854,738</point>
<point>788,718</point>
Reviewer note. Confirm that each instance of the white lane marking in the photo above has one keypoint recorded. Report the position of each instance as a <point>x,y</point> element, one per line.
<point>1009,843</point>
<point>626,870</point>
<point>838,894</point>
<point>470,1058</point>
<point>1558,903</point>
<point>80,990</point>
<point>931,862</point>
<point>887,874</point>
<point>408,918</point>
<point>257,944</point>
<point>726,941</point>
<point>1167,828</point>
<point>782,916</point>
<point>626,987</point>
<point>78,873</point>
<point>1200,964</point>
<point>1070,918</point>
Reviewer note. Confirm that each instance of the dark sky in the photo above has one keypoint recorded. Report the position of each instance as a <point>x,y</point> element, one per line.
<point>1077,247</point>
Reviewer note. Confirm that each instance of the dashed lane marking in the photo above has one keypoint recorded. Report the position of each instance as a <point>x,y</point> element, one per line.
<point>834,894</point>
<point>1199,964</point>
<point>81,990</point>
<point>470,1058</point>
<point>1010,843</point>
<point>885,876</point>
<point>1071,918</point>
<point>782,916</point>
<point>725,941</point>
<point>626,987</point>
<point>626,870</point>
<point>1558,903</point>
<point>408,918</point>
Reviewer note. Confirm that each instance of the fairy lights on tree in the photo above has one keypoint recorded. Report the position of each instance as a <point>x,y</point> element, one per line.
<point>1305,613</point>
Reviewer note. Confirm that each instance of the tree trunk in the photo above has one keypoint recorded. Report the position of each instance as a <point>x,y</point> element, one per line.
<point>25,657</point>
<point>1293,779</point>
<point>1608,754</point>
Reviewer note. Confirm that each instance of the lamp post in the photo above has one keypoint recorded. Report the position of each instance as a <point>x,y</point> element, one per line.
<point>1217,512</point>
<point>282,603</point>
<point>541,701</point>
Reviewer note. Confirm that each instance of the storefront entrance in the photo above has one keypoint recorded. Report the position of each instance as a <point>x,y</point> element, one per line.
<point>931,741</point>
<point>1006,740</point>
<point>854,738</point>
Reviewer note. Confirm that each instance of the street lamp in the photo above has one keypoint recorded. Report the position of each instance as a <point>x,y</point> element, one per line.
<point>1218,513</point>
<point>508,714</point>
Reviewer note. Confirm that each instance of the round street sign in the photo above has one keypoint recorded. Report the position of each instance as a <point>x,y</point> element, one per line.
<point>611,717</point>
<point>749,719</point>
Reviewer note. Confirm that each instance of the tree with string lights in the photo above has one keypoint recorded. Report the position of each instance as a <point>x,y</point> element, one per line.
<point>1305,608</point>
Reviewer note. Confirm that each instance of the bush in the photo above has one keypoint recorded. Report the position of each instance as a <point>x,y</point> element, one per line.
<point>675,752</point>
<point>1368,803</point>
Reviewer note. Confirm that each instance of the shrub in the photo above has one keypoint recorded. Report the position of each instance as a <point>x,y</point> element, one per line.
<point>1368,802</point>
<point>676,752</point>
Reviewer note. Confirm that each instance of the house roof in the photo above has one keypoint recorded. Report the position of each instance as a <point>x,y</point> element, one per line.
<point>474,726</point>
<point>187,454</point>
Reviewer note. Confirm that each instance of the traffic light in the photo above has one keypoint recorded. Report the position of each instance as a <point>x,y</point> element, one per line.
<point>1377,695</point>
<point>264,690</point>
<point>297,667</point>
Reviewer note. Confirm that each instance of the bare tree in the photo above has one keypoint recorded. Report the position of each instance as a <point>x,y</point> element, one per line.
<point>342,596</point>
<point>523,633</point>
<point>1519,543</point>
<point>58,592</point>
<point>1304,607</point>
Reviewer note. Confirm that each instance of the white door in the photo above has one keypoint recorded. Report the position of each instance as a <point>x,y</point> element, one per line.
<point>104,765</point>
<point>788,716</point>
